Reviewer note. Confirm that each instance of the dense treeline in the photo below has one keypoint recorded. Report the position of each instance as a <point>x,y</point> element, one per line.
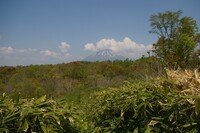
<point>61,79</point>
<point>58,80</point>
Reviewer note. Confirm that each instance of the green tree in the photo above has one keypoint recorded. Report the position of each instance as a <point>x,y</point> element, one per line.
<point>177,38</point>
<point>78,71</point>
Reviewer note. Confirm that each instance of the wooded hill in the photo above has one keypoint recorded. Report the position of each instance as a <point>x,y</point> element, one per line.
<point>61,79</point>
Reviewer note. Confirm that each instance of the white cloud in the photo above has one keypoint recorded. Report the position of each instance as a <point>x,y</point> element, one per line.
<point>126,47</point>
<point>6,50</point>
<point>64,47</point>
<point>16,56</point>
<point>10,50</point>
<point>49,53</point>
<point>29,50</point>
<point>90,46</point>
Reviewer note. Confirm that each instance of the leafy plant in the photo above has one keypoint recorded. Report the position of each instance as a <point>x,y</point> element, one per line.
<point>35,115</point>
<point>144,107</point>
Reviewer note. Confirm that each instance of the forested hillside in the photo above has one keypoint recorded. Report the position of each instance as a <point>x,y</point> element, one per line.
<point>61,79</point>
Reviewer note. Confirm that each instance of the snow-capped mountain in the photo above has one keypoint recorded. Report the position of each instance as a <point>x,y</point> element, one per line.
<point>104,55</point>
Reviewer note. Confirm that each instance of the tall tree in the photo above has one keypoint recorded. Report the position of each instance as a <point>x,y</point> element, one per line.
<point>176,37</point>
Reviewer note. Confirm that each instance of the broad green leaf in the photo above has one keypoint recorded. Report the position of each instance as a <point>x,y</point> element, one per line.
<point>197,106</point>
<point>171,116</point>
<point>157,118</point>
<point>48,114</point>
<point>44,129</point>
<point>26,111</point>
<point>148,129</point>
<point>135,130</point>
<point>189,124</point>
<point>25,125</point>
<point>153,122</point>
<point>122,113</point>
<point>194,131</point>
<point>41,99</point>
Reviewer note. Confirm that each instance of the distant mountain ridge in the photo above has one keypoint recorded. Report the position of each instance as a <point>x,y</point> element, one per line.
<point>104,55</point>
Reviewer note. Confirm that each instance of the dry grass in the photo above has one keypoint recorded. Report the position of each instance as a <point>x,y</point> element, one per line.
<point>188,81</point>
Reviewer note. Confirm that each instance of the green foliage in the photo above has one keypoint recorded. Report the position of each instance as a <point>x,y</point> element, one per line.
<point>178,38</point>
<point>35,115</point>
<point>140,106</point>
<point>144,107</point>
<point>165,24</point>
<point>39,91</point>
<point>61,79</point>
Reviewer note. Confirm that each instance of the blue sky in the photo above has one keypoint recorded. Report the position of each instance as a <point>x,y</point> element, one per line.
<point>56,31</point>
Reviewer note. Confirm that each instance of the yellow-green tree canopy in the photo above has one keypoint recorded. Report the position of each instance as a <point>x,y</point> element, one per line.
<point>177,37</point>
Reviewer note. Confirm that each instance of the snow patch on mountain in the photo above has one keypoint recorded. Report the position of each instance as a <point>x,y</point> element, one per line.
<point>104,55</point>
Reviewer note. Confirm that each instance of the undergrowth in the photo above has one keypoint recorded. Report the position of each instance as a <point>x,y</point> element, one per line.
<point>158,105</point>
<point>145,107</point>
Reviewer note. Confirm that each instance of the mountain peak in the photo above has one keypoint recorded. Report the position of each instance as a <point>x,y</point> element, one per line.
<point>104,55</point>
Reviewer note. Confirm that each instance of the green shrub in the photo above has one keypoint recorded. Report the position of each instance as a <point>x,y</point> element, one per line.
<point>144,107</point>
<point>35,115</point>
<point>153,106</point>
